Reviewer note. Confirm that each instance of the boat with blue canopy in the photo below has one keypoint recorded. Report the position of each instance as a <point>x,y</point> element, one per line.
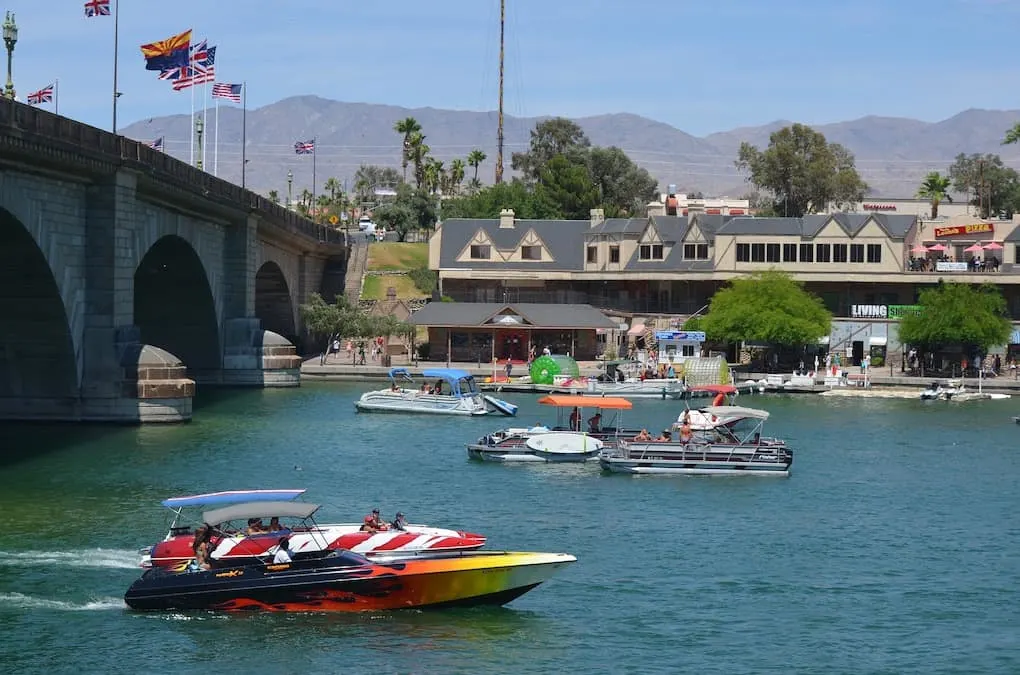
<point>443,391</point>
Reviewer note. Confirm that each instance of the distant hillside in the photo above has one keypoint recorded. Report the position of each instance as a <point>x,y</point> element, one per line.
<point>892,153</point>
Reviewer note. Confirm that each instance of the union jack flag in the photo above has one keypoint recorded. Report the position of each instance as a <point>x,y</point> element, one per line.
<point>97,8</point>
<point>304,148</point>
<point>44,95</point>
<point>231,92</point>
<point>201,69</point>
<point>157,144</point>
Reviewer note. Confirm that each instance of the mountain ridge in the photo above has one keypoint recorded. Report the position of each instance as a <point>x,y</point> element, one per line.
<point>892,153</point>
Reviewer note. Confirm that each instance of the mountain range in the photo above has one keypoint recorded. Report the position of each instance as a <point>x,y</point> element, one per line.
<point>892,154</point>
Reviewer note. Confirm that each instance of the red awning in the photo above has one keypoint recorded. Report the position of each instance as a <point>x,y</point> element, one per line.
<point>637,328</point>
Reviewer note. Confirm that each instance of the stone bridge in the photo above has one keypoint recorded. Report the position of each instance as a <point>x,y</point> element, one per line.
<point>126,276</point>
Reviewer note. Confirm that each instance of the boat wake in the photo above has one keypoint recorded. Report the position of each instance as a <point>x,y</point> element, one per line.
<point>108,558</point>
<point>22,601</point>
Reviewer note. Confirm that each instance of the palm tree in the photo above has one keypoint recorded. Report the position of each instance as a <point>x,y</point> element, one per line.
<point>323,205</point>
<point>274,196</point>
<point>406,126</point>
<point>1013,135</point>
<point>456,174</point>
<point>935,188</point>
<point>418,153</point>
<point>332,186</point>
<point>474,158</point>
<point>433,175</point>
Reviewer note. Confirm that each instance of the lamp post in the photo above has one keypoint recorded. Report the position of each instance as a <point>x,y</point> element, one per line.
<point>290,187</point>
<point>199,125</point>
<point>10,39</point>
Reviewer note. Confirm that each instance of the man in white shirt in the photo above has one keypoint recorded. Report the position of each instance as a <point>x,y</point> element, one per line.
<point>282,552</point>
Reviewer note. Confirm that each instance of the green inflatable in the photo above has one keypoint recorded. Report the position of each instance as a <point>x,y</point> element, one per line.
<point>545,368</point>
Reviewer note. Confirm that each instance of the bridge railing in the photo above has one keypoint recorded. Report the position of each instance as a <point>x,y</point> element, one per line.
<point>19,122</point>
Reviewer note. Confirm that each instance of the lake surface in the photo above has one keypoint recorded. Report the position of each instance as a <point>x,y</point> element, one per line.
<point>894,546</point>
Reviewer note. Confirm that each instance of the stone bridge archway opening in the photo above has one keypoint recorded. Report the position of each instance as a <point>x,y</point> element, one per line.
<point>37,359</point>
<point>174,307</point>
<point>273,304</point>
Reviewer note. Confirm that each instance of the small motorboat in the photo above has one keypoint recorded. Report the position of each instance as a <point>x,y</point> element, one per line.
<point>731,445</point>
<point>938,391</point>
<point>319,578</point>
<point>515,444</point>
<point>234,541</point>
<point>454,392</point>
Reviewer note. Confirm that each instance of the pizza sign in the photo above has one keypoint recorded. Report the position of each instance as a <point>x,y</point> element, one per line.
<point>957,230</point>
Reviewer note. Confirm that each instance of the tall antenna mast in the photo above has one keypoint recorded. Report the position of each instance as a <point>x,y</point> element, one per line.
<point>499,130</point>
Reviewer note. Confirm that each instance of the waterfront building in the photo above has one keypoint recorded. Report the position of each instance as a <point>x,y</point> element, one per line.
<point>655,271</point>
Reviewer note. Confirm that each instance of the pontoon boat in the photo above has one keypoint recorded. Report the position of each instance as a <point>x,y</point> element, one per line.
<point>453,392</point>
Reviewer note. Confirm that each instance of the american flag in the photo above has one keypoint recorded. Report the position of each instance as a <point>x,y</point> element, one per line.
<point>228,91</point>
<point>44,95</point>
<point>304,147</point>
<point>157,144</point>
<point>97,8</point>
<point>201,70</point>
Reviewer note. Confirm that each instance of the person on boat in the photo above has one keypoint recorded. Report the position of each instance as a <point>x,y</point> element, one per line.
<point>438,389</point>
<point>399,523</point>
<point>374,523</point>
<point>255,526</point>
<point>664,437</point>
<point>282,552</point>
<point>595,423</point>
<point>685,431</point>
<point>203,547</point>
<point>643,435</point>
<point>575,420</point>
<point>538,428</point>
<point>274,524</point>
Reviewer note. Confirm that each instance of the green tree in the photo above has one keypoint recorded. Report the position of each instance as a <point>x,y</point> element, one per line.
<point>973,317</point>
<point>326,321</point>
<point>489,201</point>
<point>568,188</point>
<point>623,187</point>
<point>935,188</point>
<point>274,196</point>
<point>474,160</point>
<point>995,188</point>
<point>1013,135</point>
<point>398,217</point>
<point>802,172</point>
<point>556,137</point>
<point>456,175</point>
<point>406,127</point>
<point>769,307</point>
<point>369,176</point>
<point>418,152</point>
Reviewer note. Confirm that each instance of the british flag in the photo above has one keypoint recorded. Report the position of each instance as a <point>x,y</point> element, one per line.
<point>200,70</point>
<point>97,8</point>
<point>304,148</point>
<point>157,144</point>
<point>44,95</point>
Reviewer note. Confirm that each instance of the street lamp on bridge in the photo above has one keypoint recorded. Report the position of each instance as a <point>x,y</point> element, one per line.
<point>199,126</point>
<point>290,187</point>
<point>10,39</point>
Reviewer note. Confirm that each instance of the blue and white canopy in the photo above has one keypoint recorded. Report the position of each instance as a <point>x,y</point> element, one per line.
<point>232,497</point>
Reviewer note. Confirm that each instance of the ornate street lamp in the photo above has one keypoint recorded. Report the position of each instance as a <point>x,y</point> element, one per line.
<point>10,39</point>
<point>199,124</point>
<point>290,186</point>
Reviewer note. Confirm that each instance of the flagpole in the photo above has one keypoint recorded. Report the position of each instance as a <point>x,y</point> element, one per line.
<point>315,151</point>
<point>216,147</point>
<point>205,118</point>
<point>116,28</point>
<point>244,130</point>
<point>187,73</point>
<point>56,96</point>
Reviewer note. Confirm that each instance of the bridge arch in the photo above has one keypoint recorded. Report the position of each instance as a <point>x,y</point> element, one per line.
<point>37,355</point>
<point>273,303</point>
<point>174,307</point>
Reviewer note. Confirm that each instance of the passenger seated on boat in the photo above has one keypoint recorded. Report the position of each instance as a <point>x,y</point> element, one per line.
<point>274,524</point>
<point>202,546</point>
<point>282,552</point>
<point>664,437</point>
<point>394,387</point>
<point>685,431</point>
<point>438,389</point>
<point>255,526</point>
<point>575,420</point>
<point>399,523</point>
<point>373,523</point>
<point>595,423</point>
<point>643,435</point>
<point>538,428</point>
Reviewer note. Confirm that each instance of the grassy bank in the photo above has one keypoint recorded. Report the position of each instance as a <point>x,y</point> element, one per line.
<point>392,256</point>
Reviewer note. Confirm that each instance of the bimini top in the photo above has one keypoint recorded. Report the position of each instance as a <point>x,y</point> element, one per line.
<point>462,383</point>
<point>232,497</point>
<point>259,510</point>
<point>448,374</point>
<point>730,411</point>
<point>400,372</point>
<point>574,401</point>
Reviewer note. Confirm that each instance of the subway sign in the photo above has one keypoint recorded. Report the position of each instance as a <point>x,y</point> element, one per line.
<point>957,230</point>
<point>883,311</point>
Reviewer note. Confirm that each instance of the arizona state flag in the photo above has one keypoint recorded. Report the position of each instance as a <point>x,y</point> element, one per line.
<point>169,53</point>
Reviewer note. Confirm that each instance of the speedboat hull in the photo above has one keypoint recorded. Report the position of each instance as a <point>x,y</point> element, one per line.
<point>414,402</point>
<point>346,582</point>
<point>177,549</point>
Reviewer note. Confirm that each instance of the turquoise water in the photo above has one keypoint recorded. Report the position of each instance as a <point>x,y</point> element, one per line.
<point>894,546</point>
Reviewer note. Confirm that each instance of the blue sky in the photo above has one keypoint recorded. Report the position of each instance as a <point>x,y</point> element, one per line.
<point>700,66</point>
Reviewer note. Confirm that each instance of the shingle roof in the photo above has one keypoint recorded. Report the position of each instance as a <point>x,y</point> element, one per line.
<point>562,237</point>
<point>762,226</point>
<point>671,228</point>
<point>895,225</point>
<point>619,226</point>
<point>455,314</point>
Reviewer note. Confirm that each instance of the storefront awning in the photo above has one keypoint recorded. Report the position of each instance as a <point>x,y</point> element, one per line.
<point>637,328</point>
<point>877,341</point>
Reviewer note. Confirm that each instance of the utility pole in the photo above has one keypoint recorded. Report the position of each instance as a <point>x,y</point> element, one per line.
<point>981,188</point>
<point>499,129</point>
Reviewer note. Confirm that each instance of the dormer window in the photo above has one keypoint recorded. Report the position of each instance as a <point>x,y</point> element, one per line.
<point>696,251</point>
<point>650,252</point>
<point>480,251</point>
<point>531,252</point>
<point>593,254</point>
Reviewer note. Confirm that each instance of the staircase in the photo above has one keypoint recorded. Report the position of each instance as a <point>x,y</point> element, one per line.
<point>356,267</point>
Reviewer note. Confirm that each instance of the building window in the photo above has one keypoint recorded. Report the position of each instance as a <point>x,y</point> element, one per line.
<point>757,252</point>
<point>875,254</point>
<point>772,252</point>
<point>789,253</point>
<point>856,253</point>
<point>531,252</point>
<point>839,253</point>
<point>614,254</point>
<point>695,251</point>
<point>480,251</point>
<point>645,252</point>
<point>593,254</point>
<point>744,252</point>
<point>807,252</point>
<point>702,252</point>
<point>656,251</point>
<point>822,253</point>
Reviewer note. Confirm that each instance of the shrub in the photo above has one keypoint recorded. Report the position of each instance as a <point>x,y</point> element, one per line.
<point>877,361</point>
<point>424,279</point>
<point>423,351</point>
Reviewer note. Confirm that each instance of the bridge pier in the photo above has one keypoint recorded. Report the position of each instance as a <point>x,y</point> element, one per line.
<point>253,357</point>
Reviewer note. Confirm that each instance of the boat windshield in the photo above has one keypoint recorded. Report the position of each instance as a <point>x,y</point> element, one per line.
<point>467,386</point>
